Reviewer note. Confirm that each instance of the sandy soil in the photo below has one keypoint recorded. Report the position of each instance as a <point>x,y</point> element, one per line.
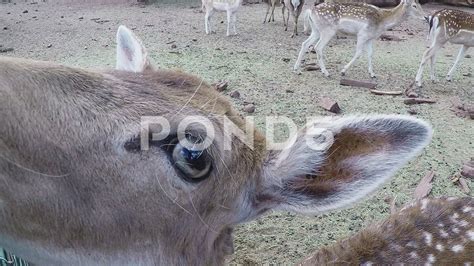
<point>258,64</point>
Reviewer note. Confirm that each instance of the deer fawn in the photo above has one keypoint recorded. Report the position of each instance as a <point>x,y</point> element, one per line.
<point>430,231</point>
<point>83,182</point>
<point>452,26</point>
<point>367,22</point>
<point>294,8</point>
<point>229,6</point>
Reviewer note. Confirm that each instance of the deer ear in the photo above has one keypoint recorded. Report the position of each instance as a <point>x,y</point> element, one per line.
<point>131,54</point>
<point>335,163</point>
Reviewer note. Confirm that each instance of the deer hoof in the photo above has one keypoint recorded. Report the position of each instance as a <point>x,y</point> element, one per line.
<point>297,72</point>
<point>343,73</point>
<point>373,76</point>
<point>448,78</point>
<point>418,84</point>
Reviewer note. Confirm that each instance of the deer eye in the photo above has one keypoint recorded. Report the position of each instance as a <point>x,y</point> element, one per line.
<point>414,5</point>
<point>195,165</point>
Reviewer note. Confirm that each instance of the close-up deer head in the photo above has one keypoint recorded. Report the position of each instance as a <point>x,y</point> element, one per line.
<point>78,187</point>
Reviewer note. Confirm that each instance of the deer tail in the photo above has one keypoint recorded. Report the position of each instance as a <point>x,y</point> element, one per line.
<point>433,21</point>
<point>296,4</point>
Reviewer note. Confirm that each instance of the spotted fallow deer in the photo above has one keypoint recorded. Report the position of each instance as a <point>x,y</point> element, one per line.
<point>229,6</point>
<point>82,183</point>
<point>452,26</point>
<point>429,231</point>
<point>294,7</point>
<point>367,22</point>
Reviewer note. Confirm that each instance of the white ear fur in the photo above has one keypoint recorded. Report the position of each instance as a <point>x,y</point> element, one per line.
<point>406,137</point>
<point>131,54</point>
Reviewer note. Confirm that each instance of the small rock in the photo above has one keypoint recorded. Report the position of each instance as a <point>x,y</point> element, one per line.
<point>467,56</point>
<point>312,68</point>
<point>49,46</point>
<point>470,111</point>
<point>329,105</point>
<point>249,108</point>
<point>195,40</point>
<point>6,50</point>
<point>449,55</point>
<point>235,94</point>
<point>173,46</point>
<point>285,59</point>
<point>81,17</point>
<point>26,11</point>
<point>5,28</point>
<point>62,16</point>
<point>289,91</point>
<point>467,74</point>
<point>412,111</point>
<point>34,17</point>
<point>218,49</point>
<point>468,169</point>
<point>221,85</point>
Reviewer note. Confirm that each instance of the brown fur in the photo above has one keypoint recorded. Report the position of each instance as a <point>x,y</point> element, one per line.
<point>108,107</point>
<point>393,240</point>
<point>455,20</point>
<point>334,173</point>
<point>78,189</point>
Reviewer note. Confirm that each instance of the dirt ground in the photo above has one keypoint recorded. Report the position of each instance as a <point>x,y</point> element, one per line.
<point>258,64</point>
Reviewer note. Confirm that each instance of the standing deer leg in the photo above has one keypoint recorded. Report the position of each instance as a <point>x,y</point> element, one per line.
<point>361,42</point>
<point>325,36</point>
<point>461,53</point>
<point>268,11</point>
<point>313,38</point>
<point>229,21</point>
<point>432,68</point>
<point>234,21</point>
<point>369,58</point>
<point>283,14</point>
<point>285,21</point>
<point>273,11</point>
<point>207,20</point>
<point>426,55</point>
<point>295,21</point>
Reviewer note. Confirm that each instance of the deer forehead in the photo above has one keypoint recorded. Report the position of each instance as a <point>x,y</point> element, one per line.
<point>191,95</point>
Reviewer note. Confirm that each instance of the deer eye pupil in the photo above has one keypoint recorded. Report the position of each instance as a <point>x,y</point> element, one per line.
<point>194,165</point>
